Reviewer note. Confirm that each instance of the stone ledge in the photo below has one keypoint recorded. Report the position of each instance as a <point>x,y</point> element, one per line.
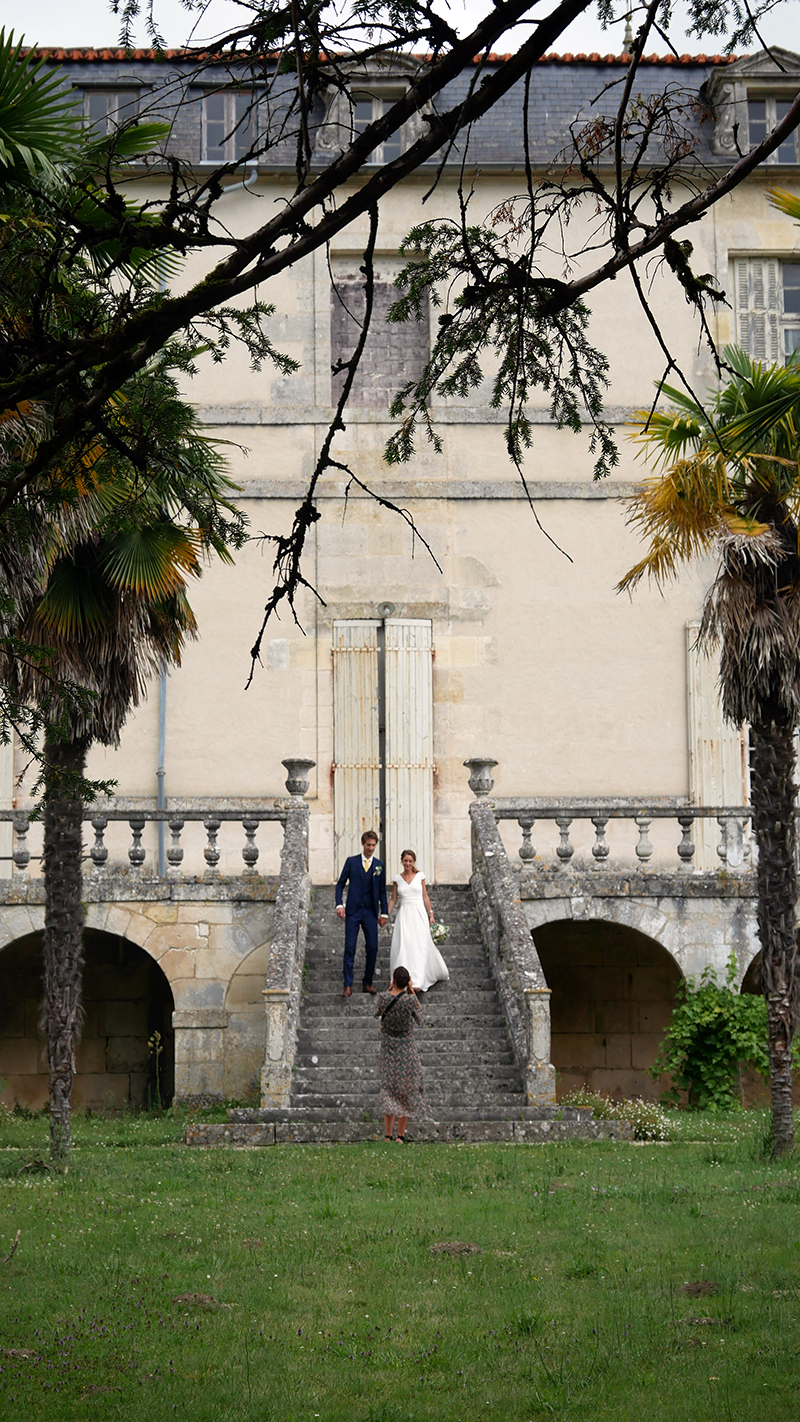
<point>556,883</point>
<point>125,888</point>
<point>289,1132</point>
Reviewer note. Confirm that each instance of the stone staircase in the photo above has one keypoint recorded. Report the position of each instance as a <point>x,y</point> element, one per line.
<point>472,1084</point>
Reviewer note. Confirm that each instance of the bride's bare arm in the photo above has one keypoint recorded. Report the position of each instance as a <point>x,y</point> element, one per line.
<point>392,899</point>
<point>426,900</point>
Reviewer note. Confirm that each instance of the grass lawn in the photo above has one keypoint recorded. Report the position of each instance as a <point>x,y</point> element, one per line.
<point>309,1282</point>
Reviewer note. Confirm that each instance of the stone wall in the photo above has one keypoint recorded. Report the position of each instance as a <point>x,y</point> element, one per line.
<point>612,995</point>
<point>613,947</point>
<point>203,943</point>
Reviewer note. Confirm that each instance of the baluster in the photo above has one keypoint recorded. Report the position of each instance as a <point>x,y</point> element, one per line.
<point>737,849</point>
<point>137,852</point>
<point>527,851</point>
<point>564,850</point>
<point>644,848</point>
<point>22,854</point>
<point>686,846</point>
<point>722,847</point>
<point>175,850</point>
<point>250,850</point>
<point>99,850</point>
<point>211,851</point>
<point>600,849</point>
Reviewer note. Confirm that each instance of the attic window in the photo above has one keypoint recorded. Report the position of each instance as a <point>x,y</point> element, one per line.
<point>762,117</point>
<point>228,125</point>
<point>366,109</point>
<point>108,109</point>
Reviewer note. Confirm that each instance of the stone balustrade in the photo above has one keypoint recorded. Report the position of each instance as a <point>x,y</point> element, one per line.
<point>582,830</point>
<point>188,854</point>
<point>515,963</point>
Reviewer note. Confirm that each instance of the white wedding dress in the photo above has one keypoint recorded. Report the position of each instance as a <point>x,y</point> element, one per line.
<point>412,945</point>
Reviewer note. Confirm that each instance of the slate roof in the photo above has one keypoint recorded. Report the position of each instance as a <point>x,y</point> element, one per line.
<point>564,90</point>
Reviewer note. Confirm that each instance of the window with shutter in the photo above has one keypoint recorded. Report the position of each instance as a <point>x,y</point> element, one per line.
<point>768,307</point>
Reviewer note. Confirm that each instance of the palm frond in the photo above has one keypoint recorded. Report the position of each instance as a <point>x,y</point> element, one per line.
<point>39,128</point>
<point>153,562</point>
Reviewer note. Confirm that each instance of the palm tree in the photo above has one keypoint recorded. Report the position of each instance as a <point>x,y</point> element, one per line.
<point>730,490</point>
<point>110,610</point>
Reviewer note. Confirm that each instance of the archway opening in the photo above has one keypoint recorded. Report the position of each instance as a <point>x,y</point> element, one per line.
<point>613,990</point>
<point>126,1001</point>
<point>755,1088</point>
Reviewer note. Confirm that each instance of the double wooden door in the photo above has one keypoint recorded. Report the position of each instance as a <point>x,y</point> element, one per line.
<point>383,734</point>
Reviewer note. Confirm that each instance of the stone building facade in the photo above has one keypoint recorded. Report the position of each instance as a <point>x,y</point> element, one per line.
<point>516,646</point>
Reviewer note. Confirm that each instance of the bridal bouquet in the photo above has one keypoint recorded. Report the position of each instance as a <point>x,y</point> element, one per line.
<point>439,933</point>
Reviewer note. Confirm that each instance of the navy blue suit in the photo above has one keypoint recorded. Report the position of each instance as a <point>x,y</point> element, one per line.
<point>366,898</point>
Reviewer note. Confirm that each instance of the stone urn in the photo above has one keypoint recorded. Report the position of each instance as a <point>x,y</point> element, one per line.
<point>480,776</point>
<point>297,778</point>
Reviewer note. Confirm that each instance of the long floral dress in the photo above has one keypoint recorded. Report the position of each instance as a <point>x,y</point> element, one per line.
<point>402,1090</point>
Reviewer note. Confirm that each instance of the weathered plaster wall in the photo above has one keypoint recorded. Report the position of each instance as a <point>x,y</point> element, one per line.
<point>539,662</point>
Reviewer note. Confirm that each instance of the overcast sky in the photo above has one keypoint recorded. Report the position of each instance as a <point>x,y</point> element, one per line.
<point>91,23</point>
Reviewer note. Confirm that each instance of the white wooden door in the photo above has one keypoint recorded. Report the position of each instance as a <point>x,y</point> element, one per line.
<point>409,743</point>
<point>409,739</point>
<point>356,763</point>
<point>717,752</point>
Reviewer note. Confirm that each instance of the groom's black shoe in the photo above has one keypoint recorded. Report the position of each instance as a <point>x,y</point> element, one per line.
<point>369,988</point>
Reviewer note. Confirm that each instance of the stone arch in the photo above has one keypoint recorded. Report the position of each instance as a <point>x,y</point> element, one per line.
<point>613,988</point>
<point>127,998</point>
<point>246,1036</point>
<point>751,981</point>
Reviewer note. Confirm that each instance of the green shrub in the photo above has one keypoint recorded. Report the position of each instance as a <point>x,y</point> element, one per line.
<point>714,1031</point>
<point>650,1122</point>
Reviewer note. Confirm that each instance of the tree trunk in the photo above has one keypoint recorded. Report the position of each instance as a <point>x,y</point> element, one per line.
<point>772,766</point>
<point>63,931</point>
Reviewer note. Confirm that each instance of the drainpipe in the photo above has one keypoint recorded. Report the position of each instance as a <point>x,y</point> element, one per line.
<point>245,183</point>
<point>161,771</point>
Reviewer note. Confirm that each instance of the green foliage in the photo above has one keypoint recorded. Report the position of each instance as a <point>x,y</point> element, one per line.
<point>507,311</point>
<point>38,126</point>
<point>713,1032</point>
<point>649,1120</point>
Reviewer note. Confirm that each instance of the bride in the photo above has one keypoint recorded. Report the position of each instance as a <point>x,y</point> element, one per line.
<point>412,945</point>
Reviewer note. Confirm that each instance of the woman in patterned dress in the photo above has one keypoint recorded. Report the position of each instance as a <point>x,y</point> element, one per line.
<point>402,1092</point>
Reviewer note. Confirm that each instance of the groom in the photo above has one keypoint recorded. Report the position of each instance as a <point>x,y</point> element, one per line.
<point>366,908</point>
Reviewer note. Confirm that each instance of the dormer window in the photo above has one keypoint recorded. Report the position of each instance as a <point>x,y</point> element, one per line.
<point>762,117</point>
<point>228,125</point>
<point>371,91</point>
<point>366,109</point>
<point>749,97</point>
<point>108,109</point>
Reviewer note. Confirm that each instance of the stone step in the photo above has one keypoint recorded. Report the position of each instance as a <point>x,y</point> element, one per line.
<point>356,1104</point>
<point>312,1045</point>
<point>466,1053</point>
<point>290,1131</point>
<point>445,1113</point>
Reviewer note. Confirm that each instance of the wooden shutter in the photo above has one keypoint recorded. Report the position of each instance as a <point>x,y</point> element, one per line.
<point>356,768</point>
<point>717,752</point>
<point>758,302</point>
<point>409,743</point>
